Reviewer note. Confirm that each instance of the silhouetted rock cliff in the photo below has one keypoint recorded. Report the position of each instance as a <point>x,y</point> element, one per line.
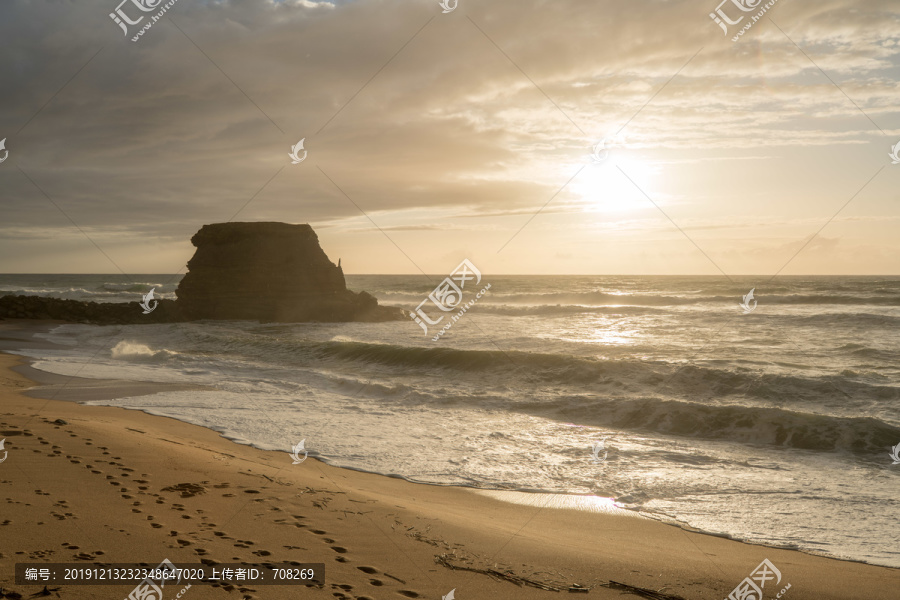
<point>269,272</point>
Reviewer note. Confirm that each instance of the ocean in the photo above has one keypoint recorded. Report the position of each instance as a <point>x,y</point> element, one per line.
<point>773,426</point>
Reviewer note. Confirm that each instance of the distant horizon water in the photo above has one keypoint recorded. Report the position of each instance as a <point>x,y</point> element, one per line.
<point>772,426</point>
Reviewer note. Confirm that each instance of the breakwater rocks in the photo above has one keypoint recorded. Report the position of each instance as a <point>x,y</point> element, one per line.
<point>76,311</point>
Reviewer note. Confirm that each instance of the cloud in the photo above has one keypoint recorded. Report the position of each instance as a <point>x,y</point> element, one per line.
<point>408,113</point>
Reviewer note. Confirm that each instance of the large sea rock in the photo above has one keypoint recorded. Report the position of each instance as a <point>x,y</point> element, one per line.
<point>270,272</point>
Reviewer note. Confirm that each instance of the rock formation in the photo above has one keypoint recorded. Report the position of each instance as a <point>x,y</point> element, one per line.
<point>270,272</point>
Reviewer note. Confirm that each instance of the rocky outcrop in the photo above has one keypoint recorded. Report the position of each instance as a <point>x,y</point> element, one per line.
<point>270,272</point>
<point>75,311</point>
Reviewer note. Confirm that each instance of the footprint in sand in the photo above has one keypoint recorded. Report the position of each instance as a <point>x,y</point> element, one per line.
<point>187,490</point>
<point>339,549</point>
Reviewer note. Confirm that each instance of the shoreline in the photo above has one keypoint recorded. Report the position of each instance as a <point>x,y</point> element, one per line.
<point>383,523</point>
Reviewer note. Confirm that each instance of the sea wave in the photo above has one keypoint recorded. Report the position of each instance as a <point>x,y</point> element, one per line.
<point>598,298</point>
<point>613,376</point>
<point>112,291</point>
<point>770,426</point>
<point>137,352</point>
<point>563,309</point>
<point>130,287</point>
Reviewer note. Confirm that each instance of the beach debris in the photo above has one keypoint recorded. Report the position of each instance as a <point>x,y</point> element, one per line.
<point>395,578</point>
<point>444,560</point>
<point>578,589</point>
<point>43,592</point>
<point>639,591</point>
<point>10,595</point>
<point>61,422</point>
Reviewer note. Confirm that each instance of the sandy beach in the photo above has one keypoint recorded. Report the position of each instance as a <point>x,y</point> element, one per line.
<point>119,486</point>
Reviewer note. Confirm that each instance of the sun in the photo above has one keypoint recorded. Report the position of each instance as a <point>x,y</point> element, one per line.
<point>614,185</point>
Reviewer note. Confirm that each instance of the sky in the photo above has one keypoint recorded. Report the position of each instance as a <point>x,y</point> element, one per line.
<point>558,136</point>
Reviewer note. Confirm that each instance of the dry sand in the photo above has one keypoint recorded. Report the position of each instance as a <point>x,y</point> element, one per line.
<point>93,490</point>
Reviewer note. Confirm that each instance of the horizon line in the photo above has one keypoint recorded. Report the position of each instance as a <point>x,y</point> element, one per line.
<point>531,274</point>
